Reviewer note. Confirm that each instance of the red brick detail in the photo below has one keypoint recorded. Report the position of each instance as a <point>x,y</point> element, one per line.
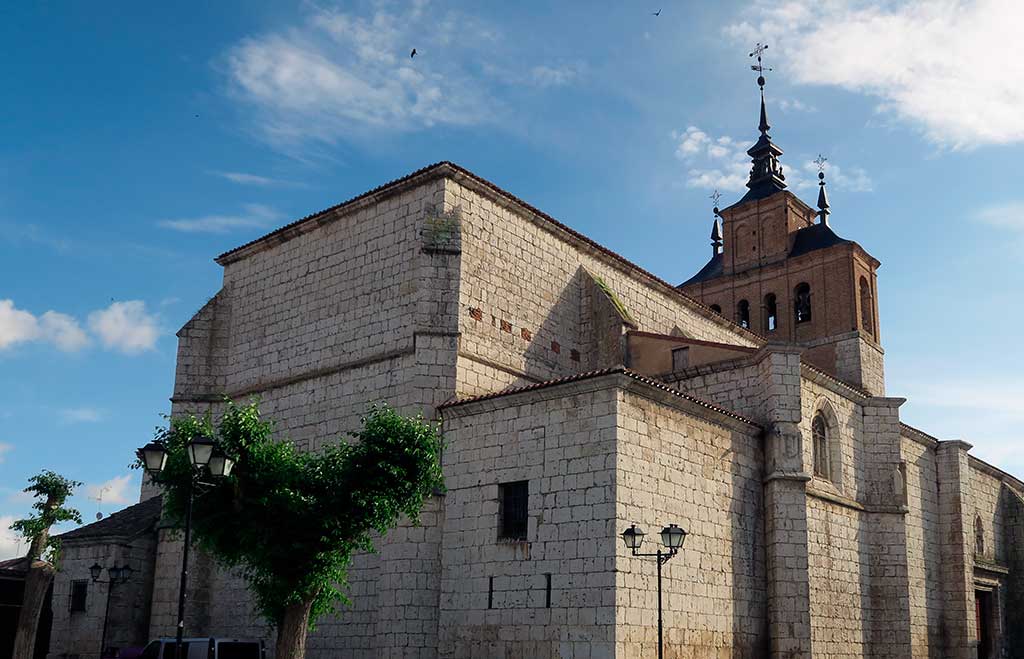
<point>525,333</point>
<point>574,355</point>
<point>555,347</point>
<point>476,314</point>
<point>506,326</point>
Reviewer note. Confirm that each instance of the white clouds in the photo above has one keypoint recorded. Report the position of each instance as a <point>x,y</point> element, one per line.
<point>243,178</point>
<point>985,412</point>
<point>20,326</point>
<point>12,545</point>
<point>342,74</point>
<point>117,491</point>
<point>125,327</point>
<point>795,105</point>
<point>545,75</point>
<point>1008,215</point>
<point>951,67</point>
<point>4,450</point>
<point>721,163</point>
<point>715,163</point>
<point>81,415</point>
<point>255,216</point>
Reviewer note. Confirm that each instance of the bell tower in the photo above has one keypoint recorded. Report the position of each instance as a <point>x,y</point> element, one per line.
<point>779,269</point>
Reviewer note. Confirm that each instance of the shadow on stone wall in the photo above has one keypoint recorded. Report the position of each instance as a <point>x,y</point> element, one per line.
<point>1012,504</point>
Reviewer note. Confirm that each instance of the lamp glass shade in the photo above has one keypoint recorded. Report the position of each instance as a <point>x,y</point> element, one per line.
<point>95,571</point>
<point>633,537</point>
<point>672,536</point>
<point>153,456</point>
<point>200,450</point>
<point>126,573</point>
<point>220,464</point>
<point>115,574</point>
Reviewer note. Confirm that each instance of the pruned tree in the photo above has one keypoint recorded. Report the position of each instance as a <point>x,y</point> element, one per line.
<point>291,520</point>
<point>51,491</point>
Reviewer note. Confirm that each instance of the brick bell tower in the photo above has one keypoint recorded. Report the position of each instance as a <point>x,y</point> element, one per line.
<point>778,268</point>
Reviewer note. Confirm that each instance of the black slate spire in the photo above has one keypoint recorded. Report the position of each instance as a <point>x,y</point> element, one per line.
<point>823,205</point>
<point>766,177</point>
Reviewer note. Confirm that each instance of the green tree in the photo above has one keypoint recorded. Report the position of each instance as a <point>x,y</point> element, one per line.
<point>290,519</point>
<point>51,491</point>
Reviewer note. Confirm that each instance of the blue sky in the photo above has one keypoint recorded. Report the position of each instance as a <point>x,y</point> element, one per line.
<point>138,141</point>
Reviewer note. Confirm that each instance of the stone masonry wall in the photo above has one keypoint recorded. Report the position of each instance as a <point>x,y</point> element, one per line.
<point>923,545</point>
<point>494,592</point>
<point>81,632</point>
<point>673,466</point>
<point>522,294</point>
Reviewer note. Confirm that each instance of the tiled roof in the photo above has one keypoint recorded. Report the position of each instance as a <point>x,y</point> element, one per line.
<point>128,522</point>
<point>711,269</point>
<point>815,237</point>
<point>282,232</point>
<point>594,374</point>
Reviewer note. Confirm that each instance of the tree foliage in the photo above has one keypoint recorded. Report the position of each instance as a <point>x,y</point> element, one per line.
<point>51,491</point>
<point>291,519</point>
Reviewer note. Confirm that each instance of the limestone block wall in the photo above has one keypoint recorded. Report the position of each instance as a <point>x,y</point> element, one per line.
<point>675,465</point>
<point>923,544</point>
<point>838,554</point>
<point>494,593</point>
<point>522,293</point>
<point>737,386</point>
<point>81,632</point>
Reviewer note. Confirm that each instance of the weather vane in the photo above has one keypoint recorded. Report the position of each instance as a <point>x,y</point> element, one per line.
<point>820,162</point>
<point>759,67</point>
<point>715,196</point>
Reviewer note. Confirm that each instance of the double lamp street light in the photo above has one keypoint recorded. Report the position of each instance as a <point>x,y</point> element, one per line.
<point>207,459</point>
<point>672,537</point>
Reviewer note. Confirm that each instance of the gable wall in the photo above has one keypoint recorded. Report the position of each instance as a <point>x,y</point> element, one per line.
<point>525,285</point>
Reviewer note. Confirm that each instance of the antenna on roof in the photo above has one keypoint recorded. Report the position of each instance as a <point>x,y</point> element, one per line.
<point>99,501</point>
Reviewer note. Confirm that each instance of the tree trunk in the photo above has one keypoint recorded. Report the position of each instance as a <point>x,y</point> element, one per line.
<point>37,582</point>
<point>292,630</point>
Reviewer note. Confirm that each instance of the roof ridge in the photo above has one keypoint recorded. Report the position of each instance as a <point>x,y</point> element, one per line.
<point>508,391</point>
<point>708,312</point>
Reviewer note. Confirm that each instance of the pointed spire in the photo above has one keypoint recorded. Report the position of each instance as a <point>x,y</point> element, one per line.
<point>823,205</point>
<point>716,235</point>
<point>764,126</point>
<point>766,176</point>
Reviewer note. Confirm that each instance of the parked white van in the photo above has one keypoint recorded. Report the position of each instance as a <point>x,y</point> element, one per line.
<point>205,648</point>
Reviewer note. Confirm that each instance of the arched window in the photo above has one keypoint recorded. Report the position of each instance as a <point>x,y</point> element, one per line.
<point>802,302</point>
<point>866,306</point>
<point>979,537</point>
<point>717,309</point>
<point>822,450</point>
<point>771,313</point>
<point>743,313</point>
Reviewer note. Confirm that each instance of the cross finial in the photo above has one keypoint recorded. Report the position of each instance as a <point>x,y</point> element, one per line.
<point>820,162</point>
<point>715,196</point>
<point>759,67</point>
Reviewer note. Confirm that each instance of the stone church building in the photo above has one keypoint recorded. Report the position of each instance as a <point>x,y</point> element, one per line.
<point>579,395</point>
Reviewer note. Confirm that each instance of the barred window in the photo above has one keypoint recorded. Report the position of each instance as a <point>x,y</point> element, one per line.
<point>79,589</point>
<point>513,510</point>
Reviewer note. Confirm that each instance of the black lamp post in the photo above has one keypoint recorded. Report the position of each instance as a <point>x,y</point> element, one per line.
<point>672,537</point>
<point>206,458</point>
<point>118,575</point>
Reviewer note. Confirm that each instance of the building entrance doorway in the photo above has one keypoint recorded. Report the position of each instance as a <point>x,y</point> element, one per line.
<point>983,616</point>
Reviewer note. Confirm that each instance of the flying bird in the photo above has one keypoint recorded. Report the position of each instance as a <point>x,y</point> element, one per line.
<point>656,13</point>
<point>412,54</point>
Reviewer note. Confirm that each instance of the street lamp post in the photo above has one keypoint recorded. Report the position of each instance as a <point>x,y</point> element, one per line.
<point>206,458</point>
<point>672,537</point>
<point>118,575</point>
